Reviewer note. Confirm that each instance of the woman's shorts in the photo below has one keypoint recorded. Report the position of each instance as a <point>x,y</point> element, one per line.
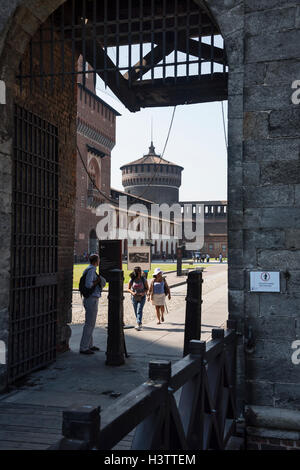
<point>158,299</point>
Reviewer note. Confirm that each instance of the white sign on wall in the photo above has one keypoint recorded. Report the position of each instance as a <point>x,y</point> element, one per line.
<point>265,281</point>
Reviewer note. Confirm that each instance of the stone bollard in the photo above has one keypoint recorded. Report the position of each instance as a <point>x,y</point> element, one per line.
<point>115,334</point>
<point>80,429</point>
<point>193,309</point>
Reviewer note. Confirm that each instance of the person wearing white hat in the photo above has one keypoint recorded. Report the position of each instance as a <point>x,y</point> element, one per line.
<point>157,293</point>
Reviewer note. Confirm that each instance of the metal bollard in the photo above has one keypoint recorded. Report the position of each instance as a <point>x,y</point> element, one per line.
<point>115,335</point>
<point>193,309</point>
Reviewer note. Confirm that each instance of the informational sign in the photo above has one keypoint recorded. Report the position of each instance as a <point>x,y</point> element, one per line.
<point>139,256</point>
<point>110,253</point>
<point>265,281</point>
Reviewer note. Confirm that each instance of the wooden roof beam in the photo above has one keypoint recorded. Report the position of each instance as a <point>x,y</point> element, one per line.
<point>196,90</point>
<point>149,61</point>
<point>113,78</point>
<point>218,54</point>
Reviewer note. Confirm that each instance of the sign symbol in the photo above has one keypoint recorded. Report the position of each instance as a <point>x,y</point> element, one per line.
<point>265,277</point>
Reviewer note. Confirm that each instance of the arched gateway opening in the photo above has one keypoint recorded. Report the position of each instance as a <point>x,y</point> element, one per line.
<point>178,63</point>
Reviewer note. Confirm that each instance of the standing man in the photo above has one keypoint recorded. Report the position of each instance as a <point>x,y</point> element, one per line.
<point>91,285</point>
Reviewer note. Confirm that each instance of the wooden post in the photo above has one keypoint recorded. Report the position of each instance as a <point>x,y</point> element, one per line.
<point>231,324</point>
<point>217,333</point>
<point>152,432</point>
<point>193,309</point>
<point>160,370</point>
<point>115,335</point>
<point>197,348</point>
<point>80,429</point>
<point>179,254</point>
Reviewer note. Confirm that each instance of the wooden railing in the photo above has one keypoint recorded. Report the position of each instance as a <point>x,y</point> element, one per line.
<point>189,406</point>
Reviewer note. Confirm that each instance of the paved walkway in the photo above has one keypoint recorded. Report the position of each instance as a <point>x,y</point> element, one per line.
<point>77,379</point>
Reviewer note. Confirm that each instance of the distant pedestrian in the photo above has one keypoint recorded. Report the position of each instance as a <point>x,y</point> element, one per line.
<point>207,258</point>
<point>158,291</point>
<point>220,257</point>
<point>138,288</point>
<point>90,287</point>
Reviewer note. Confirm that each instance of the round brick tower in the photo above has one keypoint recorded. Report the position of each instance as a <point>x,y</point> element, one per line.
<point>152,178</point>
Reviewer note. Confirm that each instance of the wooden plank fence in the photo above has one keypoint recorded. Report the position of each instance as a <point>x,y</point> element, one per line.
<point>190,406</point>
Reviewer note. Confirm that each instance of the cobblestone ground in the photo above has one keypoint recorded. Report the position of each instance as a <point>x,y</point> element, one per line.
<point>177,301</point>
<point>213,277</point>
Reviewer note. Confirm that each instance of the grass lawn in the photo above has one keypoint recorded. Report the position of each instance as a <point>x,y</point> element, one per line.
<point>79,268</point>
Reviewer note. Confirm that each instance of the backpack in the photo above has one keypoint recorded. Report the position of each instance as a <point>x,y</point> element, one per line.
<point>85,291</point>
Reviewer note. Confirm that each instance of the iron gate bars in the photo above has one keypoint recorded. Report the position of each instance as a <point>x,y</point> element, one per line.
<point>33,309</point>
<point>190,406</point>
<point>149,52</point>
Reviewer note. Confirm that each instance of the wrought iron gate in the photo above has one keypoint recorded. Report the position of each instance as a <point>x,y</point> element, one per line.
<point>148,52</point>
<point>33,293</point>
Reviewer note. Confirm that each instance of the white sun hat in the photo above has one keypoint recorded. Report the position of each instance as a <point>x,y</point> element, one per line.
<point>157,271</point>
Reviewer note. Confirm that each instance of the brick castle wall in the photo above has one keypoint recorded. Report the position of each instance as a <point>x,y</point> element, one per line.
<point>98,130</point>
<point>59,108</point>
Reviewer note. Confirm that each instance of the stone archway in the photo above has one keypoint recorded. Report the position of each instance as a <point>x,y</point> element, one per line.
<point>21,24</point>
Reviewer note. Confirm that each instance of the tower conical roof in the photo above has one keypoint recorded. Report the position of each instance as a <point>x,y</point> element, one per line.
<point>151,157</point>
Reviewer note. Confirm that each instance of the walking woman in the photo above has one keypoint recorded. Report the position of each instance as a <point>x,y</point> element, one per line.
<point>138,288</point>
<point>157,293</point>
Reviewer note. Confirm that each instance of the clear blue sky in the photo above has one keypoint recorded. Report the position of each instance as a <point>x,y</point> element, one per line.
<point>196,142</point>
